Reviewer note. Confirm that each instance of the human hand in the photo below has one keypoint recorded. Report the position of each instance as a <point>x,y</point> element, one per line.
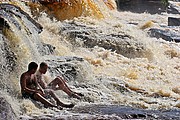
<point>41,92</point>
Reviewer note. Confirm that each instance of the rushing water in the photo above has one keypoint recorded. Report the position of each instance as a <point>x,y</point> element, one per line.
<point>151,76</point>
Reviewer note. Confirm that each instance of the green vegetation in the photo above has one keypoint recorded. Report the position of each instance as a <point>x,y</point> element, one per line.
<point>165,2</point>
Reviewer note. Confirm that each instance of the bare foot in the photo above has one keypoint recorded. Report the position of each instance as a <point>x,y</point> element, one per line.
<point>60,104</point>
<point>74,95</point>
<point>59,107</point>
<point>80,94</point>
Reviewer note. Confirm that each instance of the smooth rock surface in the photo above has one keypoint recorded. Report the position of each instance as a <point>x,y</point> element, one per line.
<point>173,21</point>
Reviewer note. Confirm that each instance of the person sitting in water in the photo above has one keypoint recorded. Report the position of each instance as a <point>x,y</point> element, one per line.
<point>30,89</point>
<point>56,84</point>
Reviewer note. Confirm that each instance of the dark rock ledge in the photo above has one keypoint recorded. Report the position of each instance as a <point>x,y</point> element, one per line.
<point>171,32</point>
<point>130,113</point>
<point>112,112</point>
<point>166,33</point>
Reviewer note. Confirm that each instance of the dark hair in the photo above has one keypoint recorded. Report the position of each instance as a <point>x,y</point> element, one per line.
<point>43,64</point>
<point>32,65</point>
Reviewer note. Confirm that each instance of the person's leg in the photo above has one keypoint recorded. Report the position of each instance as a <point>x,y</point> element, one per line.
<point>58,84</point>
<point>40,98</point>
<point>63,81</point>
<point>58,101</point>
<point>63,86</point>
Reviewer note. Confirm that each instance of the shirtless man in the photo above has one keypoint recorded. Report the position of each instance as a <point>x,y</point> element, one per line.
<point>29,88</point>
<point>57,84</point>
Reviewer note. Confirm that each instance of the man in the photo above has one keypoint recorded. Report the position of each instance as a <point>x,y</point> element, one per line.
<point>29,88</point>
<point>57,84</point>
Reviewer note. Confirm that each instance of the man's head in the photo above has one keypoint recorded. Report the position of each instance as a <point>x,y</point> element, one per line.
<point>32,67</point>
<point>43,68</point>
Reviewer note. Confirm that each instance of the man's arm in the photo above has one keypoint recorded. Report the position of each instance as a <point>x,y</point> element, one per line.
<point>40,81</point>
<point>38,85</point>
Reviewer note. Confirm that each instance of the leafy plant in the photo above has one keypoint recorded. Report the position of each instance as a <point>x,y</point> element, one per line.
<point>165,2</point>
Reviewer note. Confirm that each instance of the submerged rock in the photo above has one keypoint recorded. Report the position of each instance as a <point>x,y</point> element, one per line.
<point>168,34</point>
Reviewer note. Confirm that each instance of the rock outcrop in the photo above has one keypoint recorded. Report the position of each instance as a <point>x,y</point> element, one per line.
<point>172,30</point>
<point>125,112</point>
<point>9,11</point>
<point>173,21</point>
<point>122,43</point>
<point>141,6</point>
<point>174,7</point>
<point>170,34</point>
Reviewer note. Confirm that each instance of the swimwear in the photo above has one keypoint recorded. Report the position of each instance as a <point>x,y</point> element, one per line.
<point>27,95</point>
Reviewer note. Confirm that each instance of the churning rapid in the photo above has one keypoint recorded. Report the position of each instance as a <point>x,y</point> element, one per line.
<point>116,61</point>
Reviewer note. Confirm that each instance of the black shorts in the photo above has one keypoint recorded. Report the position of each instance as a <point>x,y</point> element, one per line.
<point>27,95</point>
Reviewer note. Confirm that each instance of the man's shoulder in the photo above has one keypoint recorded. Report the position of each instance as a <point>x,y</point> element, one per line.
<point>37,73</point>
<point>24,76</point>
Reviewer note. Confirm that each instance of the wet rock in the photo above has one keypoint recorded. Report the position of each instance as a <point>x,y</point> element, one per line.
<point>47,49</point>
<point>122,43</point>
<point>125,112</point>
<point>173,21</point>
<point>9,12</point>
<point>3,24</point>
<point>68,67</point>
<point>6,111</point>
<point>114,112</point>
<point>168,34</point>
<point>141,6</point>
<point>174,7</point>
<point>74,117</point>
